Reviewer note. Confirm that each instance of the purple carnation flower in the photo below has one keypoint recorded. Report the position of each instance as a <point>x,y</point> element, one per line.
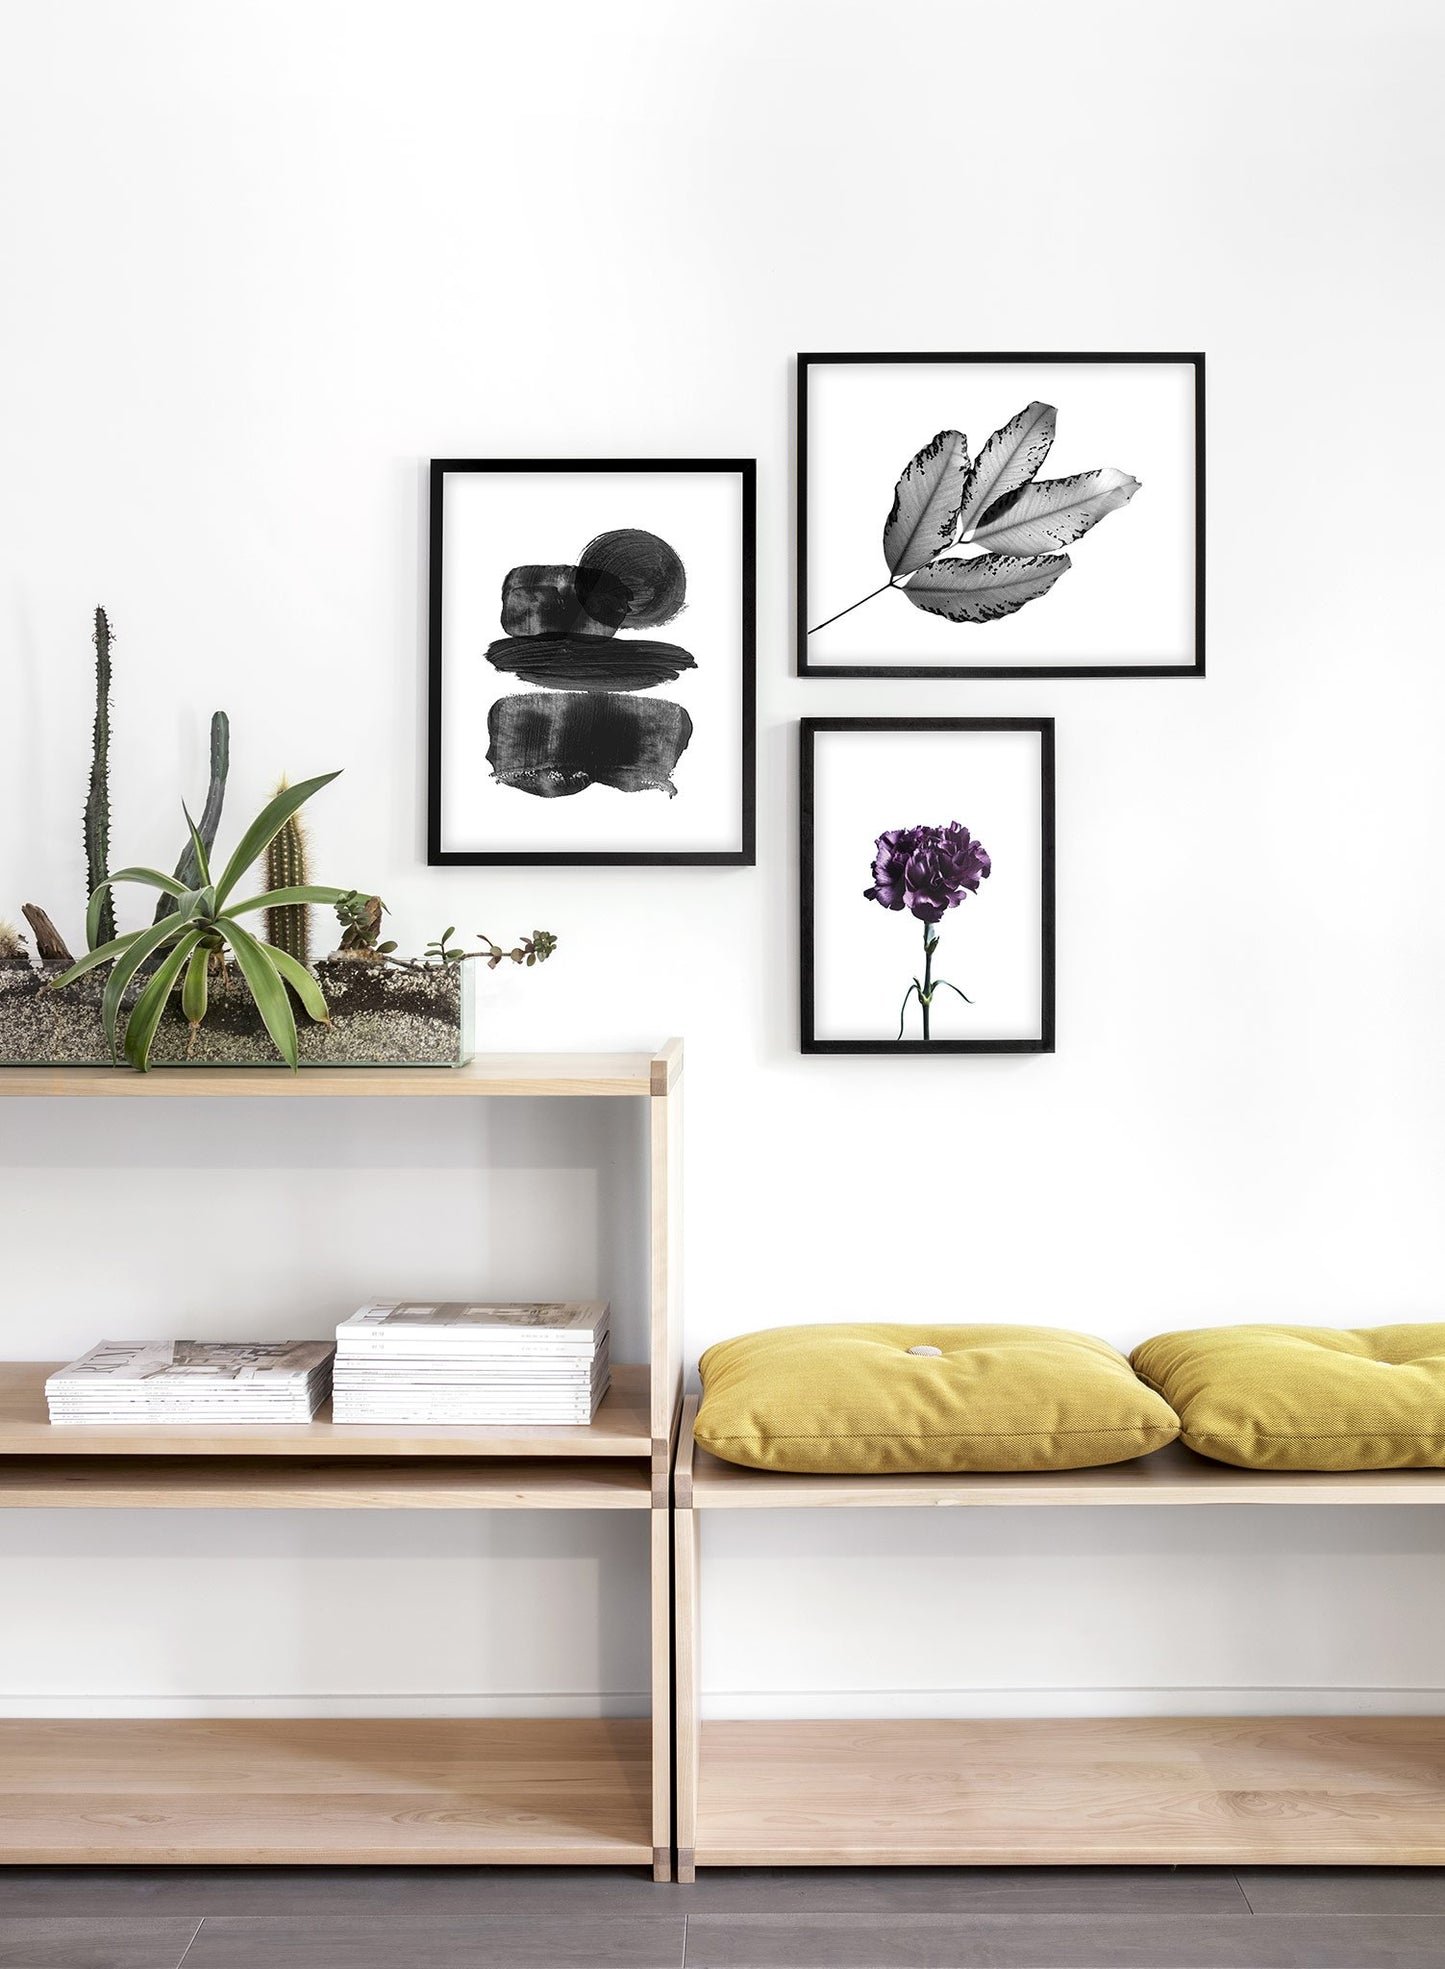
<point>927,870</point>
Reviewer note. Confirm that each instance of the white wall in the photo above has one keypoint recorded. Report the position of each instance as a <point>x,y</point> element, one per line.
<point>263,260</point>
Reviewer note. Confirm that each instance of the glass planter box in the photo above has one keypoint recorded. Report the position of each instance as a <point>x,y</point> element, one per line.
<point>382,1014</point>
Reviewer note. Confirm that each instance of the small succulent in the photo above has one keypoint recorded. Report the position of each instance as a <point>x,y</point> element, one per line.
<point>195,939</point>
<point>12,943</point>
<point>360,919</point>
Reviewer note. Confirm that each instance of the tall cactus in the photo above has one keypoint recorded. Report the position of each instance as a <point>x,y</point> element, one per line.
<point>97,805</point>
<point>289,927</point>
<point>188,869</point>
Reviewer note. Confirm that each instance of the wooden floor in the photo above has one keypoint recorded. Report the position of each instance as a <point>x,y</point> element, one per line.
<point>546,1918</point>
<point>1194,1791</point>
<point>325,1793</point>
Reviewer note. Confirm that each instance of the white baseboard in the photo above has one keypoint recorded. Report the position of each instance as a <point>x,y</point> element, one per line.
<point>769,1705</point>
<point>912,1704</point>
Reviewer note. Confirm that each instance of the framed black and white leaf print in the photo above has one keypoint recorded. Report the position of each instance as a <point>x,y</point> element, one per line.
<point>1001,515</point>
<point>592,682</point>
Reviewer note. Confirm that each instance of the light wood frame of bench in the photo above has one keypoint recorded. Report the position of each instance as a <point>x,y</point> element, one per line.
<point>1139,1791</point>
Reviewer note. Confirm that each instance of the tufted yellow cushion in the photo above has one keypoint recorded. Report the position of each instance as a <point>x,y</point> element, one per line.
<point>854,1400</point>
<point>1305,1397</point>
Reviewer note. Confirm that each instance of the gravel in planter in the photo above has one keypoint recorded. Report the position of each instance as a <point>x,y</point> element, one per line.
<point>381,1015</point>
<point>41,1027</point>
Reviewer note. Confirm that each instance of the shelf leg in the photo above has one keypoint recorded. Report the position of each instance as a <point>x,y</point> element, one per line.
<point>688,1696</point>
<point>661,1527</point>
<point>664,1178</point>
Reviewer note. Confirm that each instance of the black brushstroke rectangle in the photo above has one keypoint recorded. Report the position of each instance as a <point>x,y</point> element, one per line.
<point>554,744</point>
<point>562,600</point>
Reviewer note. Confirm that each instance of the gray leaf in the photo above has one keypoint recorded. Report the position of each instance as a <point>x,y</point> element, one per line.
<point>1048,514</point>
<point>1009,460</point>
<point>985,586</point>
<point>924,518</point>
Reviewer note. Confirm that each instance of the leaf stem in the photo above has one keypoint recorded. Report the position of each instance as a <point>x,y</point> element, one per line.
<point>849,610</point>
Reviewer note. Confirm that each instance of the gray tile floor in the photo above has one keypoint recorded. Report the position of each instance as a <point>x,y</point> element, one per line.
<point>1057,1918</point>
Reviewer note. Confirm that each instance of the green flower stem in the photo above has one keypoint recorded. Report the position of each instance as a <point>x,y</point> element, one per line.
<point>925,995</point>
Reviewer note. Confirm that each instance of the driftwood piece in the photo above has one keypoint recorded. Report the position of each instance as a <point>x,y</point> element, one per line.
<point>48,941</point>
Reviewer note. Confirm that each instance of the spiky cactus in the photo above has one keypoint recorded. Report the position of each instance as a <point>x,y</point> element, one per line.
<point>289,927</point>
<point>97,805</point>
<point>12,944</point>
<point>188,870</point>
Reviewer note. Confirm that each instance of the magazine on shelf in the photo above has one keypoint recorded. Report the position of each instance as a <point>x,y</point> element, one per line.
<point>398,1328</point>
<point>200,1380</point>
<point>446,1371</point>
<point>350,1408</point>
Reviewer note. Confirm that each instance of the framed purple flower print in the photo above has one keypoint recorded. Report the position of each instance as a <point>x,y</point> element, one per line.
<point>927,885</point>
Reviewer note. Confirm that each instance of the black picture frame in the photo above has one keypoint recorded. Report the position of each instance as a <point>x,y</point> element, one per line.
<point>954,671</point>
<point>809,730</point>
<point>745,854</point>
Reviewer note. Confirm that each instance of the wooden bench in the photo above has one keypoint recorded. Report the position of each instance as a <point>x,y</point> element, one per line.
<point>1137,1791</point>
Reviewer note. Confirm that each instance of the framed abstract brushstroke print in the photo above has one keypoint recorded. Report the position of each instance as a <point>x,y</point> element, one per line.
<point>1001,515</point>
<point>927,885</point>
<point>592,661</point>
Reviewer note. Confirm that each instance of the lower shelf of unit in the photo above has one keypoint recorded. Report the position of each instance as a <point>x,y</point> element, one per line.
<point>175,1483</point>
<point>1264,1791</point>
<point>437,1792</point>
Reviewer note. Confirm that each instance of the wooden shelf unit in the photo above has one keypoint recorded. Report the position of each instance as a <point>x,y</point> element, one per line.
<point>1139,1791</point>
<point>433,1792</point>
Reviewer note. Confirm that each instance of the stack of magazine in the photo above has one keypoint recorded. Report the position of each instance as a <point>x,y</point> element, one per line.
<point>193,1381</point>
<point>409,1361</point>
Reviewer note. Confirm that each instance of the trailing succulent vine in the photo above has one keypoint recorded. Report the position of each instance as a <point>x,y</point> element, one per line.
<point>360,919</point>
<point>97,804</point>
<point>288,925</point>
<point>447,956</point>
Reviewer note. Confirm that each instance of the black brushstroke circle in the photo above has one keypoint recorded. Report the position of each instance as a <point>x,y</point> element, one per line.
<point>650,570</point>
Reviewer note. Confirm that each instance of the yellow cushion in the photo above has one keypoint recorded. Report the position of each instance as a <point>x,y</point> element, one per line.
<point>854,1400</point>
<point>1305,1397</point>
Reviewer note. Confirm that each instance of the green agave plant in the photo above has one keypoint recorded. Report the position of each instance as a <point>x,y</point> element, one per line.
<point>203,927</point>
